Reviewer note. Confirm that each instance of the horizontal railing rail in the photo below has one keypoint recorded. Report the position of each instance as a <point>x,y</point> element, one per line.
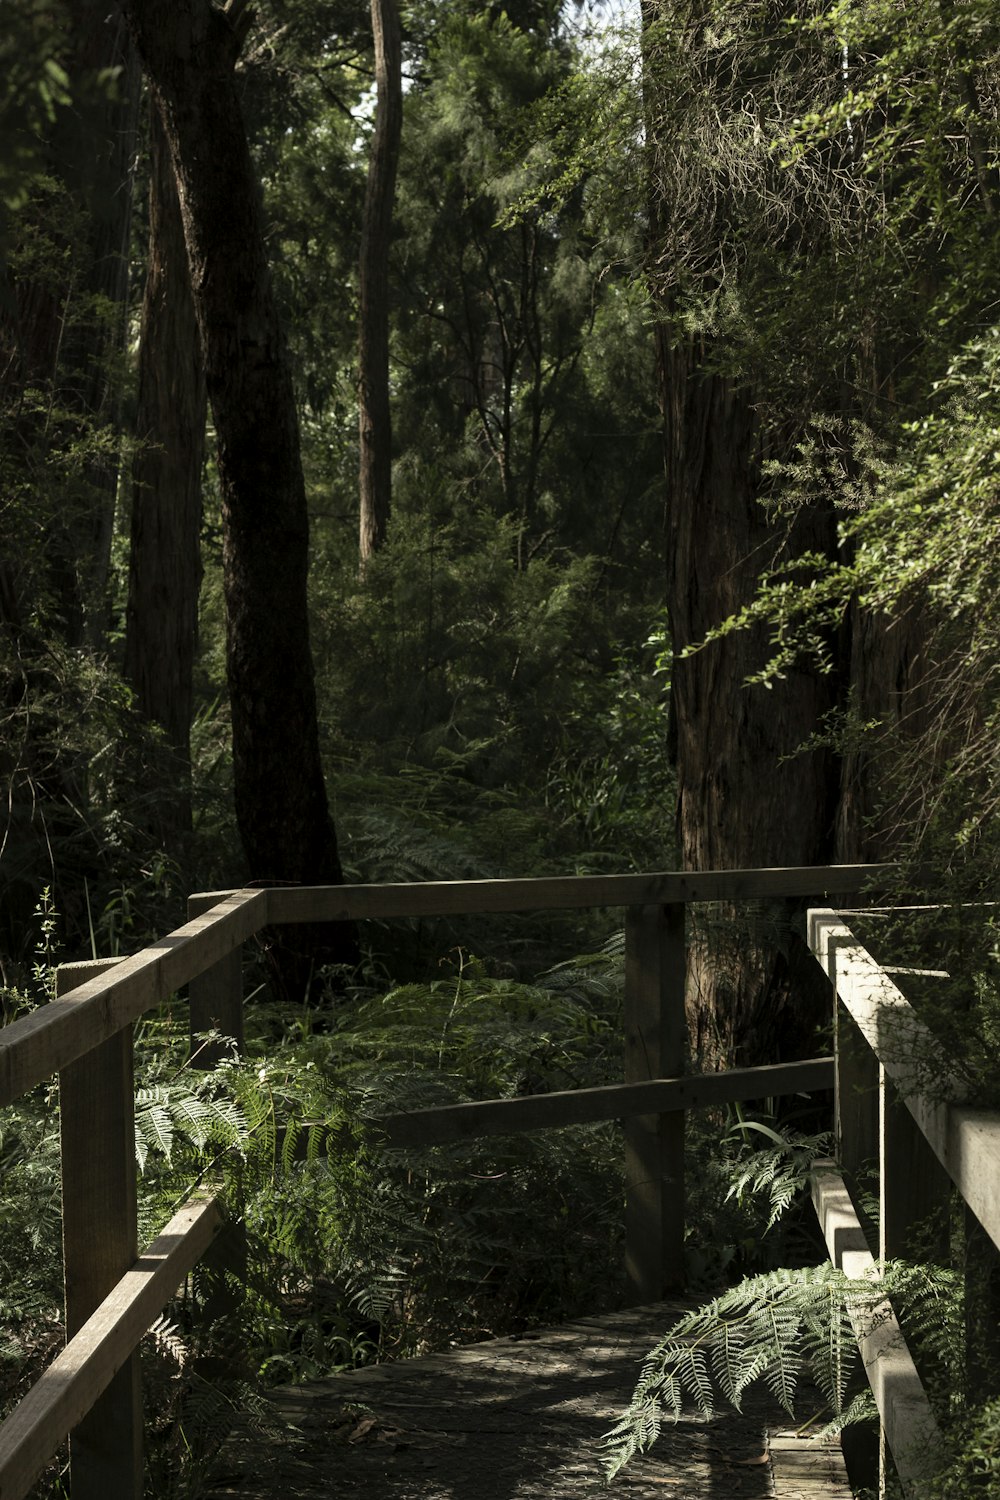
<point>921,1139</point>
<point>114,1293</point>
<point>441,1124</point>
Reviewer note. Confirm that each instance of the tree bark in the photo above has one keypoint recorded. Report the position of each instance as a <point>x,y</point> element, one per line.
<point>747,794</point>
<point>165,541</point>
<point>745,797</point>
<point>189,50</point>
<point>375,424</point>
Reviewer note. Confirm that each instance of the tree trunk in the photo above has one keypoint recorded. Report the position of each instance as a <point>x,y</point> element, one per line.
<point>747,795</point>
<point>189,50</point>
<point>375,427</point>
<point>745,798</point>
<point>165,542</point>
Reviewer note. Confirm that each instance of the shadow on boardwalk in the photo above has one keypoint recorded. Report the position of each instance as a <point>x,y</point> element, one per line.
<point>519,1419</point>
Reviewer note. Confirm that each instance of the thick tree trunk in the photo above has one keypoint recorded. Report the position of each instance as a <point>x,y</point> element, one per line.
<point>745,797</point>
<point>189,50</point>
<point>165,542</point>
<point>375,428</point>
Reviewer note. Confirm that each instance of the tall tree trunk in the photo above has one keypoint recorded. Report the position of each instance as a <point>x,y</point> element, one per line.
<point>165,542</point>
<point>374,423</point>
<point>745,797</point>
<point>189,50</point>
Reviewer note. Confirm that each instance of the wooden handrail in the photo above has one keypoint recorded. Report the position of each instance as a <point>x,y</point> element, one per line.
<point>966,1141</point>
<point>921,1143</point>
<point>46,1041</point>
<point>204,953</point>
<point>443,1123</point>
<point>905,1412</point>
<point>82,1372</point>
<point>434,898</point>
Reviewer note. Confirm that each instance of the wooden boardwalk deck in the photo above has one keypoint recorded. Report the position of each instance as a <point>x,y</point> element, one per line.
<point>519,1419</point>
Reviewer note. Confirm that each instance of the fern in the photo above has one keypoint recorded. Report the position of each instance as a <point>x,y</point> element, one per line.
<point>188,1109</point>
<point>775,1327</point>
<point>781,1170</point>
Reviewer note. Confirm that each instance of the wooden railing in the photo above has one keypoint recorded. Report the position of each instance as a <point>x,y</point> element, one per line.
<point>114,1294</point>
<point>920,1142</point>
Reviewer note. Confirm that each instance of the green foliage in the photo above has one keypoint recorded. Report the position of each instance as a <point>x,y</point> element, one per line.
<point>776,1328</point>
<point>781,1170</point>
<point>489,708</point>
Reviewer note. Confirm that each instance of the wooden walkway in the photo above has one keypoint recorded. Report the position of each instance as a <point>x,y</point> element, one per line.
<point>520,1419</point>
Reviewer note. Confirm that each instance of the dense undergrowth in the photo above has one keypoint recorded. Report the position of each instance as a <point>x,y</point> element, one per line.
<point>354,1251</point>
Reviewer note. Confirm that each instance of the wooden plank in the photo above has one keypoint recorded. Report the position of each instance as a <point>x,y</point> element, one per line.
<point>215,996</point>
<point>457,897</point>
<point>97,1131</point>
<point>85,1368</point>
<point>965,1141</point>
<point>655,1046</point>
<point>215,1003</point>
<point>445,1123</point>
<point>53,1036</point>
<point>911,1431</point>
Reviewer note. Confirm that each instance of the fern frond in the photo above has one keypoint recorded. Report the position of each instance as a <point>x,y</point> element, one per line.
<point>781,1170</point>
<point>771,1327</point>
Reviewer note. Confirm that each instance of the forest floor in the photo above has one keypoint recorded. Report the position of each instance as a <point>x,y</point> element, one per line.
<point>517,1419</point>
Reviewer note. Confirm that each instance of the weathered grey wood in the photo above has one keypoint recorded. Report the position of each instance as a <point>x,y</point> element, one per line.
<point>966,1141</point>
<point>655,1047</point>
<point>615,1101</point>
<point>45,1041</point>
<point>97,1130</point>
<point>215,997</point>
<point>911,1431</point>
<point>456,897</point>
<point>63,1395</point>
<point>53,1036</point>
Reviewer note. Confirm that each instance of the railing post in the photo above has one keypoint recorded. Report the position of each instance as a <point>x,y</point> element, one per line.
<point>856,1110</point>
<point>914,1188</point>
<point>216,997</point>
<point>97,1126</point>
<point>857,1130</point>
<point>655,1047</point>
<point>215,1000</point>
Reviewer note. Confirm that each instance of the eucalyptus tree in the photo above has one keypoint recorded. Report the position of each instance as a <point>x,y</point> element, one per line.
<point>802,275</point>
<point>189,53</point>
<point>504,297</point>
<point>374,419</point>
<point>166,513</point>
<point>68,104</point>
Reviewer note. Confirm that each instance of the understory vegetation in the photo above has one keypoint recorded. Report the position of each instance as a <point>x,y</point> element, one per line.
<point>355,1251</point>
